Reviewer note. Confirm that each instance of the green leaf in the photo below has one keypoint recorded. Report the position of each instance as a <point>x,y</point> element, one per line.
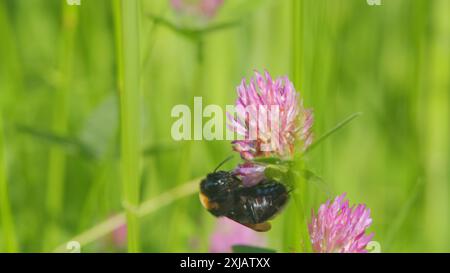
<point>276,172</point>
<point>251,249</point>
<point>339,126</point>
<point>219,27</point>
<point>160,148</point>
<point>193,33</point>
<point>69,144</point>
<point>316,181</point>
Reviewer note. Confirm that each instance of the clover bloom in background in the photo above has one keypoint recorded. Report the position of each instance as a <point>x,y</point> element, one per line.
<point>337,227</point>
<point>270,119</point>
<point>228,233</point>
<point>119,236</point>
<point>202,8</point>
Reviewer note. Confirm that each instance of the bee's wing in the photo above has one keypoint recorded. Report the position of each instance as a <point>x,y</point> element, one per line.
<point>264,201</point>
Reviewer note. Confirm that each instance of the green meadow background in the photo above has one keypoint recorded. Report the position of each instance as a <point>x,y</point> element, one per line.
<point>63,67</point>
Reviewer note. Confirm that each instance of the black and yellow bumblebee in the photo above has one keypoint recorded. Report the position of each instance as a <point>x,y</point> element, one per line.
<point>223,195</point>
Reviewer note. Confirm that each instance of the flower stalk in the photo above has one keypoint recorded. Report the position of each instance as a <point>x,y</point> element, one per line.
<point>130,118</point>
<point>300,197</point>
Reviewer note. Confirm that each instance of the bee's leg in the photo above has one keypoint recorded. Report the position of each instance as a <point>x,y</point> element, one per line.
<point>261,227</point>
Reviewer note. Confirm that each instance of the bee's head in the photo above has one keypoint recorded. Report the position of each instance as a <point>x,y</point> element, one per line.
<point>218,183</point>
<point>216,191</point>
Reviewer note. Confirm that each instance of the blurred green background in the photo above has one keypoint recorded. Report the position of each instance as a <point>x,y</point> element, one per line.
<point>59,114</point>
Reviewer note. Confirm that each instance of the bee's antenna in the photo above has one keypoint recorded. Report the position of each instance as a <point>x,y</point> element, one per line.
<point>223,162</point>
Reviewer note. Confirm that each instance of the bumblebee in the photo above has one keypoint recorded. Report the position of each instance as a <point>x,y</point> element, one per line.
<point>223,194</point>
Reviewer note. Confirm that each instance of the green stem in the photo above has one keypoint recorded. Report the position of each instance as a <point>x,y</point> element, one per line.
<point>57,160</point>
<point>146,208</point>
<point>130,118</point>
<point>185,161</point>
<point>436,127</point>
<point>5,211</point>
<point>296,236</point>
<point>300,196</point>
<point>297,42</point>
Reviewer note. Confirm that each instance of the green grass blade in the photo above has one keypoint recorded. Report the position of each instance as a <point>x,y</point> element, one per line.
<point>57,159</point>
<point>6,219</point>
<point>161,148</point>
<point>70,145</point>
<point>403,214</point>
<point>339,126</point>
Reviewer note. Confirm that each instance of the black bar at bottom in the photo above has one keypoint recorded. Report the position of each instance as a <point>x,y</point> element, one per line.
<point>196,262</point>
